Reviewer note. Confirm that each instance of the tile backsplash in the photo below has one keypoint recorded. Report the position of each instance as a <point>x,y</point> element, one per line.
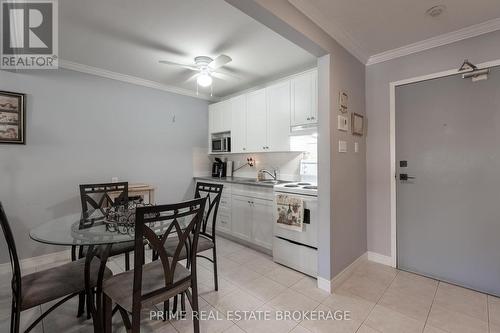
<point>286,163</point>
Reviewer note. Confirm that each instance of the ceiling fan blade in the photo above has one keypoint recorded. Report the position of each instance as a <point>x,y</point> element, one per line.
<point>171,63</point>
<point>219,61</point>
<point>191,78</point>
<point>224,75</point>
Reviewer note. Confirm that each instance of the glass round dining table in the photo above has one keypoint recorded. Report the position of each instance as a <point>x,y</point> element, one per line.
<point>91,228</point>
<point>96,230</point>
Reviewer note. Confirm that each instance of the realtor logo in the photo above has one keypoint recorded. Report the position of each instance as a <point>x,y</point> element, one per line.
<point>29,34</point>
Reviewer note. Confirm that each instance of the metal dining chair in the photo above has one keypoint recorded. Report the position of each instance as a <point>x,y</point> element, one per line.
<point>28,291</point>
<point>213,193</point>
<point>160,280</point>
<point>98,196</point>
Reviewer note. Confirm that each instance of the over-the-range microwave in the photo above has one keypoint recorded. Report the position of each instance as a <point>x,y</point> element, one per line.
<point>221,143</point>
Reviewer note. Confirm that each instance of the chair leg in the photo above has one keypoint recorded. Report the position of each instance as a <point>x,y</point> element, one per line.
<point>81,304</point>
<point>108,313</point>
<point>183,304</point>
<point>136,320</point>
<point>127,261</point>
<point>166,310</point>
<point>174,309</point>
<point>194,305</point>
<point>15,318</point>
<point>216,279</point>
<point>89,312</point>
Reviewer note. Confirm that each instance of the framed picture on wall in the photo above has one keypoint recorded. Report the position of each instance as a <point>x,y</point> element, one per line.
<point>357,124</point>
<point>12,117</point>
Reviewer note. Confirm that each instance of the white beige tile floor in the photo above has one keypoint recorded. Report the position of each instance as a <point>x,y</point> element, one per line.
<point>380,299</point>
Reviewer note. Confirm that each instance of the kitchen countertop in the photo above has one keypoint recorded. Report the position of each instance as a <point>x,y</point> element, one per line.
<point>240,180</point>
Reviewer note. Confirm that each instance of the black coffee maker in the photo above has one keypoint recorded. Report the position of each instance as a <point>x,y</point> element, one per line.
<point>219,168</point>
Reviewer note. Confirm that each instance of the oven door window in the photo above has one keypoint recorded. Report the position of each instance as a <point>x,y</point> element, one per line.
<point>216,145</point>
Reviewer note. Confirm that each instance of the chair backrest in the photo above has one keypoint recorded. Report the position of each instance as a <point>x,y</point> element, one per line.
<point>98,195</point>
<point>14,259</point>
<point>213,193</point>
<point>182,221</point>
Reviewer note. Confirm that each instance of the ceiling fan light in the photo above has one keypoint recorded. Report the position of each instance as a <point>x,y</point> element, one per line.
<point>204,79</point>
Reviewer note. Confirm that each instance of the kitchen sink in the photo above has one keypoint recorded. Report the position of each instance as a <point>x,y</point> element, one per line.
<point>274,182</point>
<point>267,181</point>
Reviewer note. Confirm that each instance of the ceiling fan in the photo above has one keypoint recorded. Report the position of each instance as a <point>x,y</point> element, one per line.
<point>206,68</point>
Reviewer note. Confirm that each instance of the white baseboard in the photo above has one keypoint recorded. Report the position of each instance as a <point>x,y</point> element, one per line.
<point>324,284</point>
<point>38,261</point>
<point>380,258</point>
<point>329,285</point>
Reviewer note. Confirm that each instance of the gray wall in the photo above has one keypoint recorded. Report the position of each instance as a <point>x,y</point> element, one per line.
<point>378,76</point>
<point>82,129</point>
<point>342,185</point>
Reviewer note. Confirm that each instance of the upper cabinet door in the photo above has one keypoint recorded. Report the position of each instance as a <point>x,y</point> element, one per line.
<point>278,115</point>
<point>257,121</point>
<point>215,117</point>
<point>304,98</point>
<point>225,116</point>
<point>314,111</point>
<point>238,124</point>
<point>219,117</point>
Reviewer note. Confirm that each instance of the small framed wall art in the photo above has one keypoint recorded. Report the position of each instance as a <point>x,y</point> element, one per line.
<point>357,124</point>
<point>12,117</point>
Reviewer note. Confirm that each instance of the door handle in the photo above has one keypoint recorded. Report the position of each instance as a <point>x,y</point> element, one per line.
<point>405,176</point>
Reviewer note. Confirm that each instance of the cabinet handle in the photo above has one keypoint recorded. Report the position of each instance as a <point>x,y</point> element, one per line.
<point>312,118</point>
<point>308,118</point>
<point>244,149</point>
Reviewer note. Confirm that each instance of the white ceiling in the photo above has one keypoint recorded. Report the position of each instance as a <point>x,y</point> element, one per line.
<point>130,36</point>
<point>370,27</point>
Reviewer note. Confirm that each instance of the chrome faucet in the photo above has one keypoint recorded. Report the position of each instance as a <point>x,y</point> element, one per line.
<point>274,174</point>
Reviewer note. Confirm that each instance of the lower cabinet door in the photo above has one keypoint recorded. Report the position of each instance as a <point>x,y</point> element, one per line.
<point>241,217</point>
<point>262,222</point>
<point>223,222</point>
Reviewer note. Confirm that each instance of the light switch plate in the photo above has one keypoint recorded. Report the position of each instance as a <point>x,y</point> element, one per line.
<point>342,146</point>
<point>356,147</point>
<point>343,124</point>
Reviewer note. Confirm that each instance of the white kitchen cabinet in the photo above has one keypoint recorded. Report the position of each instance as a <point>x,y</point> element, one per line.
<point>241,217</point>
<point>256,121</point>
<point>304,99</point>
<point>262,222</point>
<point>238,106</point>
<point>219,115</point>
<point>278,117</point>
<point>260,121</point>
<point>223,221</point>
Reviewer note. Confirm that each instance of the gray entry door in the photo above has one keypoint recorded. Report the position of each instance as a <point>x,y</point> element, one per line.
<point>448,216</point>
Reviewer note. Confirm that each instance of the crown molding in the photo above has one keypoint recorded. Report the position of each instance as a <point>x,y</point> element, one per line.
<point>74,66</point>
<point>444,39</point>
<point>334,31</point>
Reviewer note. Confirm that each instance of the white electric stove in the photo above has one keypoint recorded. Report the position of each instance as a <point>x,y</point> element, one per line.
<point>304,188</point>
<point>298,249</point>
